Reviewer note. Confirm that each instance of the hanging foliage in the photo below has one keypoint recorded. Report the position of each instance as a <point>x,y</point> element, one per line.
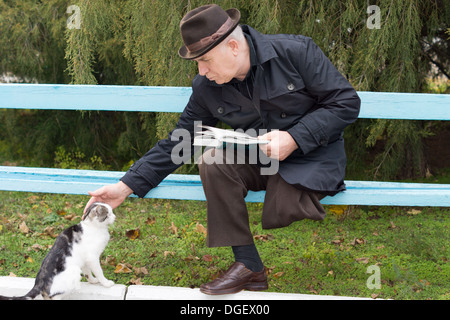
<point>135,42</point>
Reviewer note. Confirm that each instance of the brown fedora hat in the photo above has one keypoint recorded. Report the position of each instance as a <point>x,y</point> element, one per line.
<point>204,28</point>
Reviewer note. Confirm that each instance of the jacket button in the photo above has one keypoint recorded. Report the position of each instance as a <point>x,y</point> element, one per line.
<point>220,110</point>
<point>290,86</point>
<point>283,115</point>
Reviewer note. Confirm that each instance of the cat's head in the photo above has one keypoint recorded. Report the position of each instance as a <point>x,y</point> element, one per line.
<point>100,213</point>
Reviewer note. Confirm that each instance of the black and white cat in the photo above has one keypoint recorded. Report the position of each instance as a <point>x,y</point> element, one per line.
<point>76,250</point>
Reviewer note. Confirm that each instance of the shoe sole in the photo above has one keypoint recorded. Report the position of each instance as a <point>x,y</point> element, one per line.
<point>252,286</point>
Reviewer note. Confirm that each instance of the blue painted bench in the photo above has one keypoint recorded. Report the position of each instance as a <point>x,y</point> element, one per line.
<point>376,105</point>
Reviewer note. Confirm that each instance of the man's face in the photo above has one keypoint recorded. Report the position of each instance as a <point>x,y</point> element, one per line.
<point>219,64</point>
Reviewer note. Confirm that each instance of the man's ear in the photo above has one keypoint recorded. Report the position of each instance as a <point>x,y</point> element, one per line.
<point>233,44</point>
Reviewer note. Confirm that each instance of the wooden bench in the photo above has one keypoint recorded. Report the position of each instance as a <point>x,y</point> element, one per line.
<point>376,105</point>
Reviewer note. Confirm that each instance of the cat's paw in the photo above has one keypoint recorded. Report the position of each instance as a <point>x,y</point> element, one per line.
<point>107,283</point>
<point>92,280</point>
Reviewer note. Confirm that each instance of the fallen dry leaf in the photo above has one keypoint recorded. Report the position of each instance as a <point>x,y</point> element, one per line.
<point>337,209</point>
<point>136,282</point>
<point>123,268</point>
<point>362,260</point>
<point>191,258</point>
<point>311,289</point>
<point>141,270</point>
<point>207,258</point>
<point>338,241</point>
<point>425,282</point>
<point>414,212</point>
<point>133,234</point>
<point>200,228</point>
<point>278,274</point>
<point>32,199</point>
<point>112,261</point>
<point>23,228</point>
<point>357,241</point>
<point>174,229</point>
<point>80,205</point>
<point>150,221</point>
<point>51,232</point>
<point>37,247</point>
<point>264,237</point>
<point>70,217</point>
<point>21,216</point>
<point>167,253</point>
<point>270,269</point>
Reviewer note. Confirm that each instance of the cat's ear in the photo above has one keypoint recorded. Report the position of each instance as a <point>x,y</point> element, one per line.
<point>88,211</point>
<point>98,211</point>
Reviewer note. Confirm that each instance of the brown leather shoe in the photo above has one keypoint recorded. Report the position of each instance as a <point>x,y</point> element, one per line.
<point>237,278</point>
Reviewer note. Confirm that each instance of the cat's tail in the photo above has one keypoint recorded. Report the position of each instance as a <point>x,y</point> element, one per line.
<point>29,296</point>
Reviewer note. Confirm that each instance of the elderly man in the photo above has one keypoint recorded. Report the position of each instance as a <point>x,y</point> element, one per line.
<point>279,84</point>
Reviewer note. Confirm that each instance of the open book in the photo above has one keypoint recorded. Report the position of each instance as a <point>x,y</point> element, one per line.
<point>216,137</point>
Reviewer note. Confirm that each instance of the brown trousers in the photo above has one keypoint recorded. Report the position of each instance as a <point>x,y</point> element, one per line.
<point>226,184</point>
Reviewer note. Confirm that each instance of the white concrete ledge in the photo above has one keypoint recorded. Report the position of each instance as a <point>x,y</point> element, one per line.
<point>16,286</point>
<point>175,293</point>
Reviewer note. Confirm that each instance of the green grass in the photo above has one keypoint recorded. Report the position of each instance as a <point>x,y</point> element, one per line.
<point>330,257</point>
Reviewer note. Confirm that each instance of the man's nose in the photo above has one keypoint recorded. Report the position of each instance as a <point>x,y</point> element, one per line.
<point>202,69</point>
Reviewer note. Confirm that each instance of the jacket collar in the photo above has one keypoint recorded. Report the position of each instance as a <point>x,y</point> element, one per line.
<point>263,48</point>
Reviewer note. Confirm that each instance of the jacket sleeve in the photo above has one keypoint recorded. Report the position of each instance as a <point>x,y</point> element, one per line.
<point>337,101</point>
<point>146,173</point>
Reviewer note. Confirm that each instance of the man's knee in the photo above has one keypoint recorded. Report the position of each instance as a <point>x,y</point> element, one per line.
<point>208,157</point>
<point>218,162</point>
<point>208,162</point>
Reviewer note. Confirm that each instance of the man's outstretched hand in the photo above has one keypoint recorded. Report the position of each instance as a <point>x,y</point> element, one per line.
<point>113,195</point>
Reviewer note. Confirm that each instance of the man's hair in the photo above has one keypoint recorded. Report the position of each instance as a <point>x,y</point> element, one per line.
<point>237,34</point>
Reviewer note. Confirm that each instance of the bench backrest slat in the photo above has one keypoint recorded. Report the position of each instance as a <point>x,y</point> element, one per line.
<point>89,97</point>
<point>376,105</point>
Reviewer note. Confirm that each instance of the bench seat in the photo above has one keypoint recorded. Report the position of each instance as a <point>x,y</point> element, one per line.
<point>374,105</point>
<point>189,187</point>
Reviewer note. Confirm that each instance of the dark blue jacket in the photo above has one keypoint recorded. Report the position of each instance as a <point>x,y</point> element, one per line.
<point>299,91</point>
